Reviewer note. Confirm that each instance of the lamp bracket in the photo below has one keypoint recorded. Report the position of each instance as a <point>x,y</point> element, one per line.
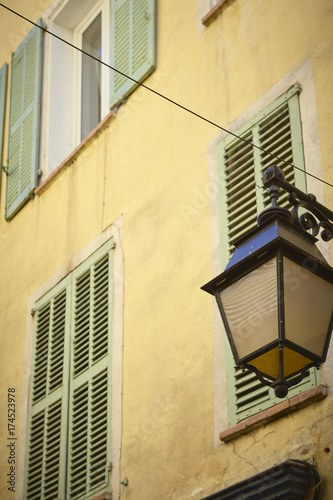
<point>263,380</point>
<point>316,216</point>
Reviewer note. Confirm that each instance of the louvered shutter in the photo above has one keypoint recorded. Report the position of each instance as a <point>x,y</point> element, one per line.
<point>23,152</point>
<point>277,130</point>
<point>132,45</point>
<point>47,433</point>
<point>3,95</point>
<point>90,415</point>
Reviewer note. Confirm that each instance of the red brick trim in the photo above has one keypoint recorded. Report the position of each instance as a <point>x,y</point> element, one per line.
<point>273,413</point>
<point>103,496</point>
<point>214,12</point>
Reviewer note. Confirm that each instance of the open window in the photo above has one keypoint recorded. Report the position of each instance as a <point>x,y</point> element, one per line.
<point>80,90</point>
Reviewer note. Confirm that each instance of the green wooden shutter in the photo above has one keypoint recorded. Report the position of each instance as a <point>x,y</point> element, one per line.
<point>132,45</point>
<point>276,129</point>
<point>23,149</point>
<point>90,416</point>
<point>3,95</point>
<point>48,409</point>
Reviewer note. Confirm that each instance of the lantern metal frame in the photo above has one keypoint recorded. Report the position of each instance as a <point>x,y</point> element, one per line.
<point>280,234</point>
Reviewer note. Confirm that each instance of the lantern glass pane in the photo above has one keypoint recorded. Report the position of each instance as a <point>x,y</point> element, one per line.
<point>250,305</point>
<point>268,363</point>
<point>308,302</point>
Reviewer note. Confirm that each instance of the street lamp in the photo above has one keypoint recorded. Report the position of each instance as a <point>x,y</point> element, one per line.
<point>276,294</point>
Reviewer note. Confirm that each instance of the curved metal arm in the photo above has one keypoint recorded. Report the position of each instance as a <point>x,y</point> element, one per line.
<point>317,215</point>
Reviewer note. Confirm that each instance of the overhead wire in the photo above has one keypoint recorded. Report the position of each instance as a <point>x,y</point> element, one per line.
<point>188,110</point>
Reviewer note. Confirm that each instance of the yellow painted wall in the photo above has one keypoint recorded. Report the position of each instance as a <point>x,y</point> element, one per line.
<point>150,165</point>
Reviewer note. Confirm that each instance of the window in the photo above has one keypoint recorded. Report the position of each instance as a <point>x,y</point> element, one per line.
<point>81,91</point>
<point>78,91</point>
<point>276,129</point>
<point>69,434</point>
<point>24,123</point>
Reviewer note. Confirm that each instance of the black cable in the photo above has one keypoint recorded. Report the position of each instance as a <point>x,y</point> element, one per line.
<point>165,97</point>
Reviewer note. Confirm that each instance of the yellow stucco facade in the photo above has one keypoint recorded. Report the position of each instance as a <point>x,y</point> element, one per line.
<point>145,177</point>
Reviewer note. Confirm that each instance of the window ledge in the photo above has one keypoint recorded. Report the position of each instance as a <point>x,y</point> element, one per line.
<point>273,413</point>
<point>77,151</point>
<point>214,12</point>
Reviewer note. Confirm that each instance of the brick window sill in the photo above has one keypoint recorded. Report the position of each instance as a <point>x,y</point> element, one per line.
<point>214,12</point>
<point>273,413</point>
<point>103,496</point>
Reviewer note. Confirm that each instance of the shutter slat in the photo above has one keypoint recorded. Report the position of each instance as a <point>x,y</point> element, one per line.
<point>241,229</point>
<point>245,192</point>
<point>249,391</point>
<point>234,222</point>
<point>281,141</point>
<point>240,208</point>
<point>245,187</point>
<point>238,151</point>
<point>275,127</point>
<point>237,160</point>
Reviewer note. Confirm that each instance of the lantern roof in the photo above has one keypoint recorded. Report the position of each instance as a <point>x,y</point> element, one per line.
<point>274,231</point>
